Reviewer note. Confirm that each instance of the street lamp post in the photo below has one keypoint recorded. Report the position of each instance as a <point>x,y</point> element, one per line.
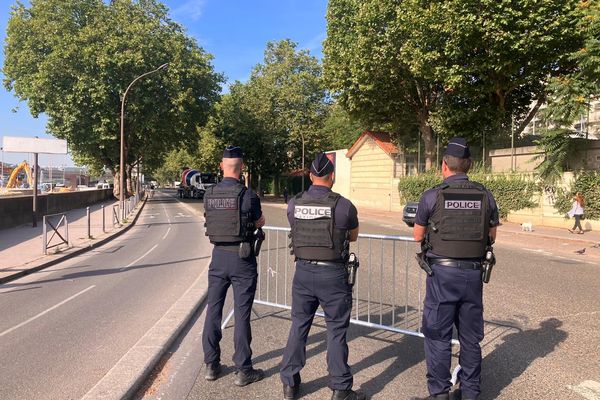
<point>302,134</point>
<point>122,161</point>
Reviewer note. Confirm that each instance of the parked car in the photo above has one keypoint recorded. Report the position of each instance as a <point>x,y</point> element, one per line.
<point>409,213</point>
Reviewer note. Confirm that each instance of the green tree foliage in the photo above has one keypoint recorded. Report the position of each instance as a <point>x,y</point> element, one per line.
<point>267,116</point>
<point>73,59</point>
<point>571,95</point>
<point>340,127</point>
<point>448,67</point>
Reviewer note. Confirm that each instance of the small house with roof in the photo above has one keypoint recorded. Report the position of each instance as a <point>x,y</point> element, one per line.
<point>376,167</point>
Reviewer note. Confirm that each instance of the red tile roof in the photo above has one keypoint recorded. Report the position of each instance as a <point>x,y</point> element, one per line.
<point>382,139</point>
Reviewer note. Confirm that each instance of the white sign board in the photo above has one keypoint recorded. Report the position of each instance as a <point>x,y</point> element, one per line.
<point>34,145</point>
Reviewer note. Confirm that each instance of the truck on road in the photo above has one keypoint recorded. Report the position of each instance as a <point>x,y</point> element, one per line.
<point>194,184</point>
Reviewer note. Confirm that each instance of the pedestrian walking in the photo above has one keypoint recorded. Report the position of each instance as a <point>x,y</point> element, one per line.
<point>456,222</point>
<point>323,224</point>
<point>577,212</point>
<point>285,194</point>
<point>232,214</point>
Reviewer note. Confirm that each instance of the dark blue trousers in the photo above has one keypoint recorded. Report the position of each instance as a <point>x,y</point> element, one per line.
<point>313,286</point>
<point>453,297</point>
<point>227,268</point>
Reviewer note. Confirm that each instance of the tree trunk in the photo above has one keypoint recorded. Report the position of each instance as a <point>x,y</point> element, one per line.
<point>128,182</point>
<point>277,185</point>
<point>116,181</point>
<point>428,140</point>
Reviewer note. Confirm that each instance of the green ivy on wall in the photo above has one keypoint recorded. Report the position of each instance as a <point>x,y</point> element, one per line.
<point>588,183</point>
<point>512,192</point>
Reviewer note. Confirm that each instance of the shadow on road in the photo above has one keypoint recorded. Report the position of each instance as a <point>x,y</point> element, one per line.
<point>516,353</point>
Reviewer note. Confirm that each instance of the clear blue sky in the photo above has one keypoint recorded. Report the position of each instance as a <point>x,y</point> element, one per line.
<point>235,32</point>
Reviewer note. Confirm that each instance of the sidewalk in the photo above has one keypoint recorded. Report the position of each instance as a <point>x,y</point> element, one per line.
<point>394,218</point>
<point>21,247</point>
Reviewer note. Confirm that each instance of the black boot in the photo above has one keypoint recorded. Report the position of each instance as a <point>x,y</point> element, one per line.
<point>443,396</point>
<point>246,377</point>
<point>348,395</point>
<point>290,392</point>
<point>212,371</point>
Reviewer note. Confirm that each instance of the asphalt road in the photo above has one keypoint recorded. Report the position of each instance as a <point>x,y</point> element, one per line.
<point>64,328</point>
<point>541,311</point>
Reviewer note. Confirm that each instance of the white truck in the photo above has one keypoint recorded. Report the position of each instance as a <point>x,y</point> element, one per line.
<point>193,183</point>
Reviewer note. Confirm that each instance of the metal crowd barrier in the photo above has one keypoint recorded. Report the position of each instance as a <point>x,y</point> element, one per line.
<point>389,289</point>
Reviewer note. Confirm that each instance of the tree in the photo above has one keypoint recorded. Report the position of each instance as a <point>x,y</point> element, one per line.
<point>570,97</point>
<point>267,116</point>
<point>341,129</point>
<point>73,59</point>
<point>439,64</point>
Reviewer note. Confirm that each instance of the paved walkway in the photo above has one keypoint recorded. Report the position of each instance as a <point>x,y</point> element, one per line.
<point>21,247</point>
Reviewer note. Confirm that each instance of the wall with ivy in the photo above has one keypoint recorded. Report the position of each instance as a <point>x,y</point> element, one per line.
<point>512,192</point>
<point>588,183</point>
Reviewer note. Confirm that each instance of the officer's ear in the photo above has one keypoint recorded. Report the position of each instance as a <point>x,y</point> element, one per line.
<point>221,166</point>
<point>311,176</point>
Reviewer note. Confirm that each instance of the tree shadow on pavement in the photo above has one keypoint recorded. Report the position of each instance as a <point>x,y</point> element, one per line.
<point>404,353</point>
<point>106,271</point>
<point>516,353</point>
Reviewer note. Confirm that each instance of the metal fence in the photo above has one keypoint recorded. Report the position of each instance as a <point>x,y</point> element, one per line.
<point>55,222</point>
<point>388,293</point>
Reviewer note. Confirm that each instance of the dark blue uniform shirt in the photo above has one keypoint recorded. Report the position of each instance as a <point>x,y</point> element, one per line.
<point>429,199</point>
<point>345,214</point>
<point>250,201</point>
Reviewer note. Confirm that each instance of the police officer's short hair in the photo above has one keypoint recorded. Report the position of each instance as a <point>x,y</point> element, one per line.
<point>456,164</point>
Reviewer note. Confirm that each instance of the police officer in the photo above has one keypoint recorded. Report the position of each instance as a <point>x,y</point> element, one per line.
<point>232,213</point>
<point>458,219</point>
<point>323,223</point>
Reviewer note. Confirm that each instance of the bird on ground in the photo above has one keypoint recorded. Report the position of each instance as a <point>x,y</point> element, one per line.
<point>582,251</point>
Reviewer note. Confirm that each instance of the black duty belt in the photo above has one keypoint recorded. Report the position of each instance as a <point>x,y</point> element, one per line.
<point>323,263</point>
<point>449,262</point>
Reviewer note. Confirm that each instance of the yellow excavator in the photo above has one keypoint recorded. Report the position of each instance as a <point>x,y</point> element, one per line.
<point>12,180</point>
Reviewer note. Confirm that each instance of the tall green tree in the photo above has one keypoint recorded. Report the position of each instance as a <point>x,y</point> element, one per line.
<point>283,101</point>
<point>73,60</point>
<point>446,67</point>
<point>570,97</point>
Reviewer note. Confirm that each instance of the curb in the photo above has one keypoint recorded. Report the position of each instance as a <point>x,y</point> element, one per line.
<point>74,253</point>
<point>130,373</point>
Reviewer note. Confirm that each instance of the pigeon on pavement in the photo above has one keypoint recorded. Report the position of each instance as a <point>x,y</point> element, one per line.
<point>580,251</point>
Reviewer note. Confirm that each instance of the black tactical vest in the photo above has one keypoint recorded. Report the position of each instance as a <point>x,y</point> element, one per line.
<point>459,226</point>
<point>225,222</point>
<point>314,235</point>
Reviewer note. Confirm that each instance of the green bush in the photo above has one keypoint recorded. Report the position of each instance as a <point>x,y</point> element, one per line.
<point>588,183</point>
<point>512,192</point>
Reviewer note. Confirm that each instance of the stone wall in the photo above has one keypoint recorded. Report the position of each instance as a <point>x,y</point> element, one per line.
<point>16,211</point>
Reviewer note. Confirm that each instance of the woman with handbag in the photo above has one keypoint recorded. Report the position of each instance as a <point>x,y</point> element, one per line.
<point>577,212</point>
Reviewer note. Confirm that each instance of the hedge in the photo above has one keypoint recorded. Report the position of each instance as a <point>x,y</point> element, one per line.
<point>588,183</point>
<point>512,192</point>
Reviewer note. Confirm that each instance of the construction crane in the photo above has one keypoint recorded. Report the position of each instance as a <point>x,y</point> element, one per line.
<point>12,180</point>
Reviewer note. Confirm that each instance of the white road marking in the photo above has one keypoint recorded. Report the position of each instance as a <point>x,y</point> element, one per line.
<point>45,312</point>
<point>181,215</point>
<point>165,235</point>
<point>588,389</point>
<point>139,258</point>
<point>168,219</point>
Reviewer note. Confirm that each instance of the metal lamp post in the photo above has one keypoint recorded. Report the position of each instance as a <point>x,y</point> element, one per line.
<point>122,157</point>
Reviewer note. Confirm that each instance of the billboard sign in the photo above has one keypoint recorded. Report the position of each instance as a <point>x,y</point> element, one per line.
<point>34,145</point>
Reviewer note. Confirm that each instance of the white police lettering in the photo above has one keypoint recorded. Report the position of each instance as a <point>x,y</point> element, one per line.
<point>462,205</point>
<point>311,212</point>
<point>229,203</point>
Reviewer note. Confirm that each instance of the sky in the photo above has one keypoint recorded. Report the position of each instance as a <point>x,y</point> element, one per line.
<point>235,32</point>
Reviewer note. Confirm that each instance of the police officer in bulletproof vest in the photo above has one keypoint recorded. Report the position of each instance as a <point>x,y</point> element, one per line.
<point>457,220</point>
<point>232,213</point>
<point>323,224</point>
